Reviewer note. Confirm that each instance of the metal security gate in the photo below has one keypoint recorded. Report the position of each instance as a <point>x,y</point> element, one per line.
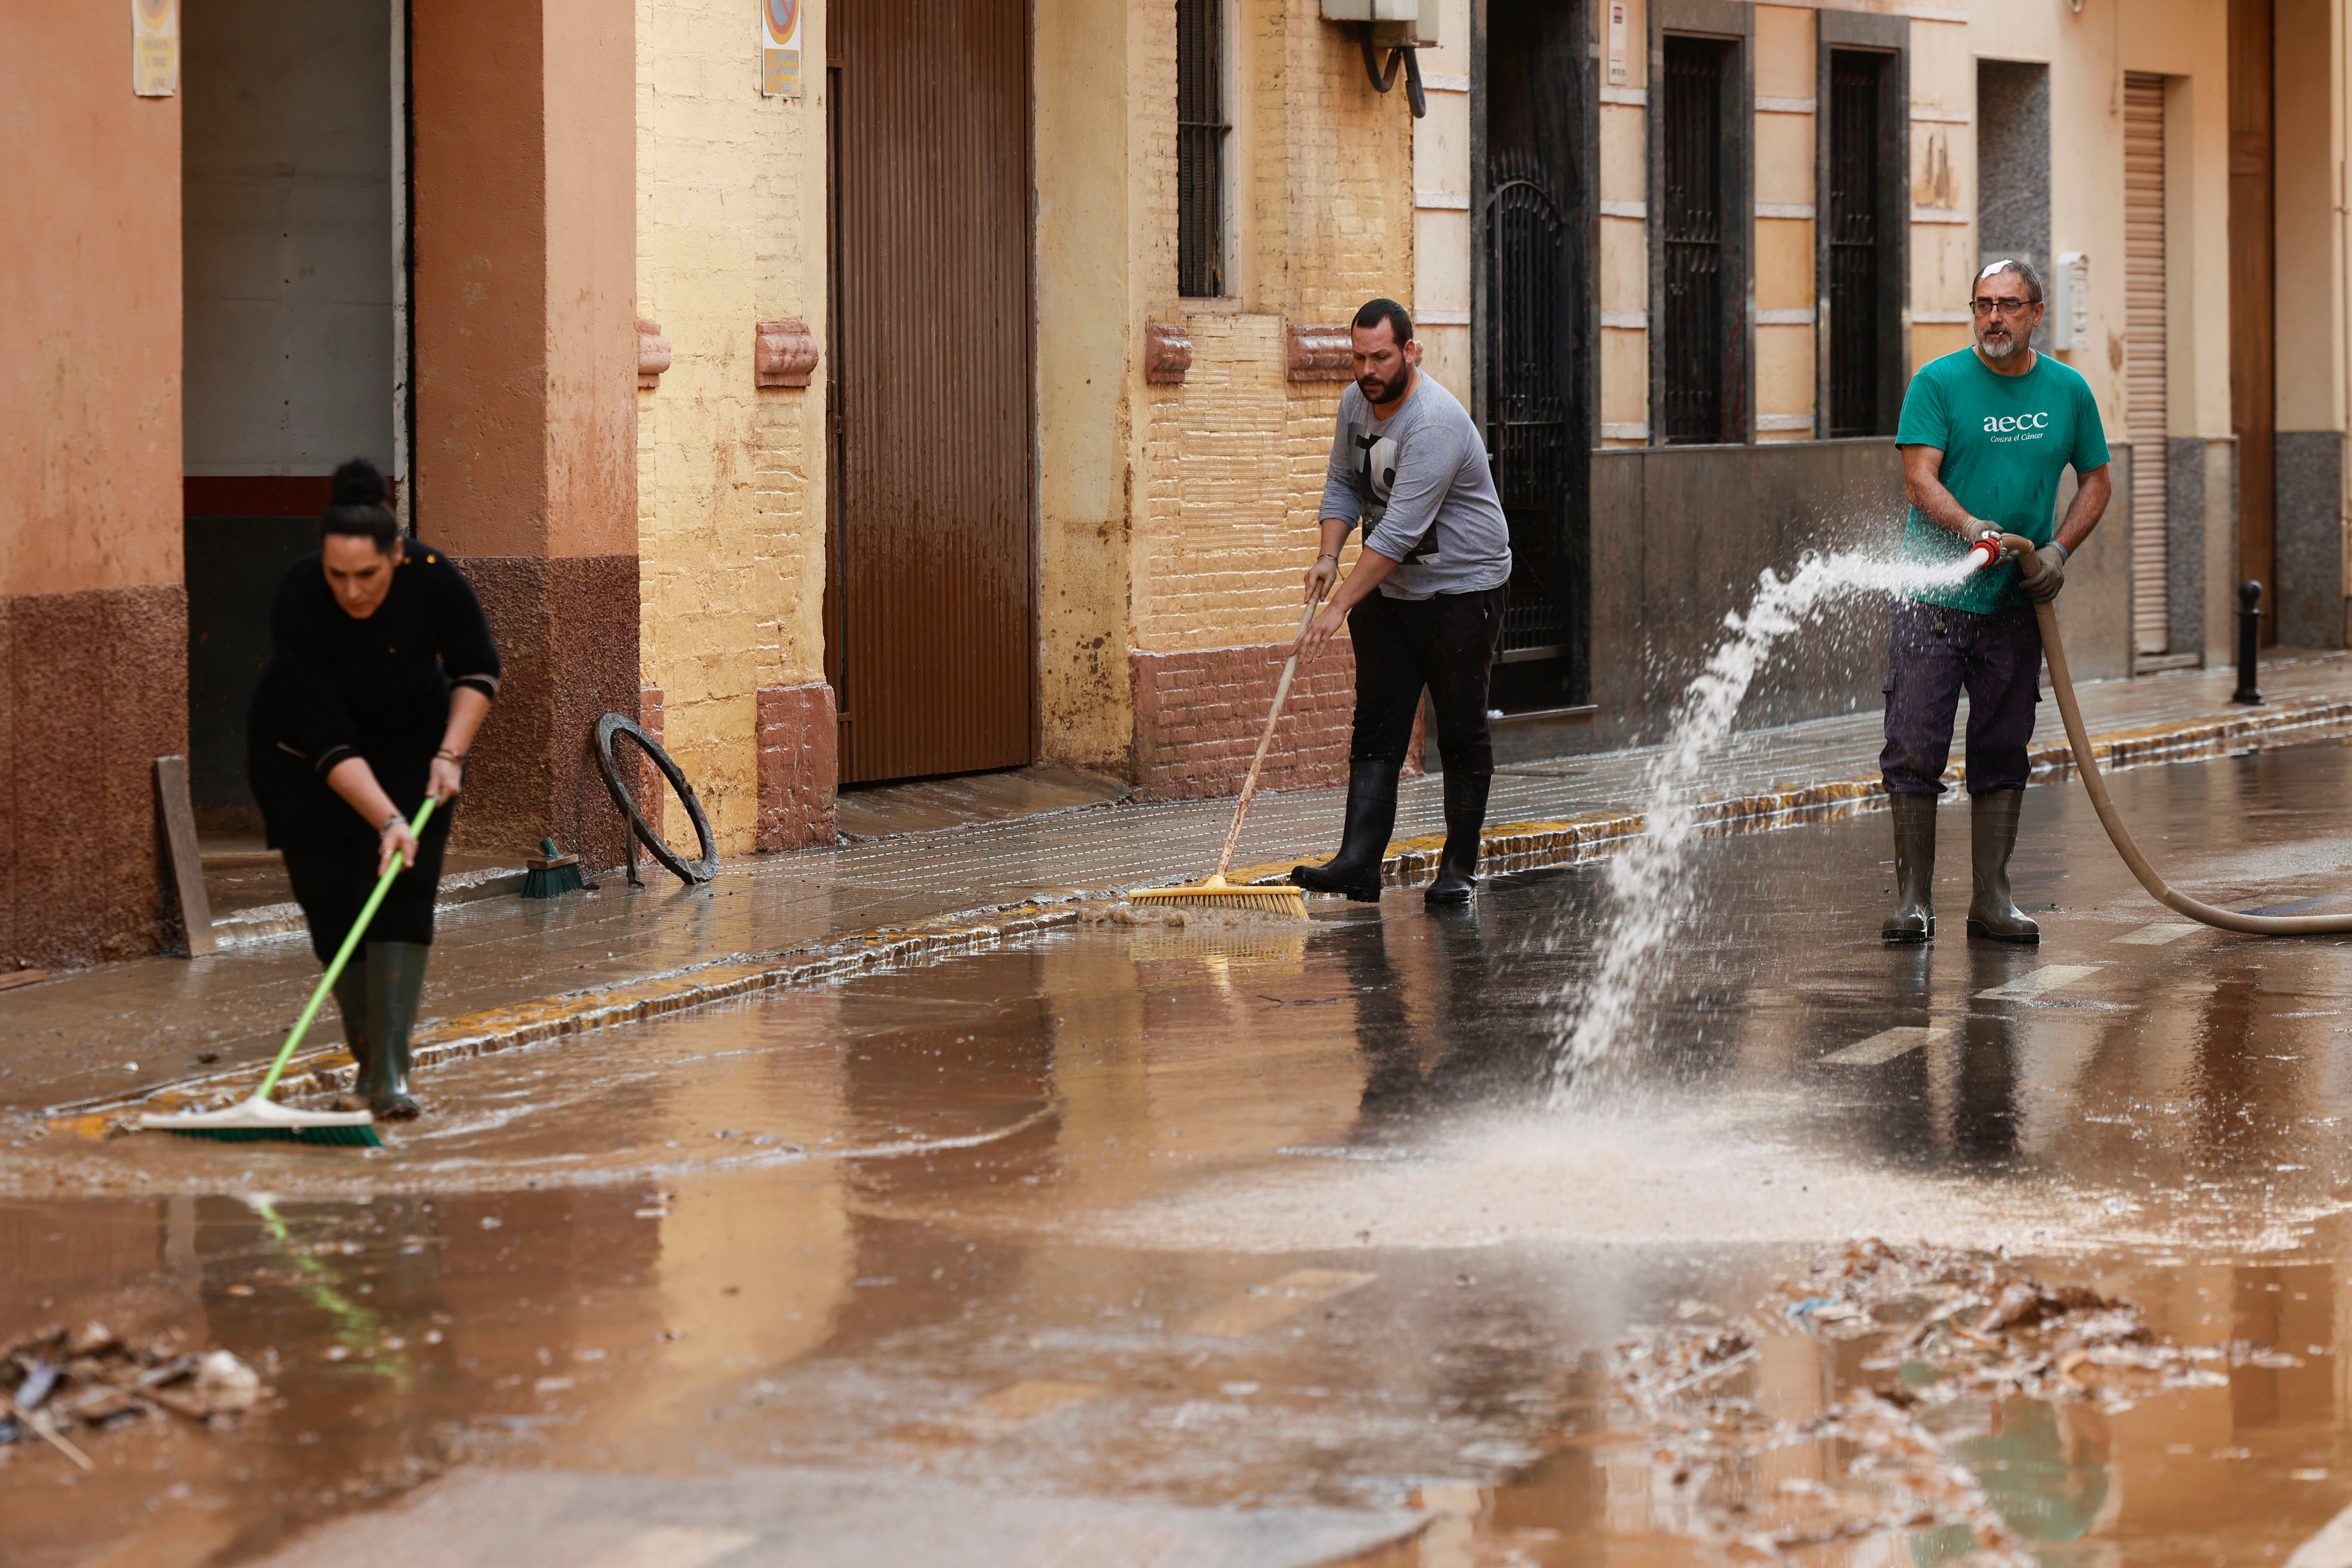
<point>1527,372</point>
<point>2144,374</point>
<point>931,607</point>
<point>1692,236</point>
<point>1853,239</point>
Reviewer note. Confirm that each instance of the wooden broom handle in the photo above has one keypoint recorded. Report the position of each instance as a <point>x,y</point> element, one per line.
<point>1249,785</point>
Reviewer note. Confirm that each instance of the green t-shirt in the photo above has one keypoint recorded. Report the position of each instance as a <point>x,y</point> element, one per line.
<point>2005,439</point>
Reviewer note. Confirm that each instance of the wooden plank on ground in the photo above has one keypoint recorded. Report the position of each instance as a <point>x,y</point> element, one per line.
<point>187,858</point>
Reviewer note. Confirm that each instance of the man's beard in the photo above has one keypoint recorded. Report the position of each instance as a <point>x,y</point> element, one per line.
<point>1377,391</point>
<point>2000,347</point>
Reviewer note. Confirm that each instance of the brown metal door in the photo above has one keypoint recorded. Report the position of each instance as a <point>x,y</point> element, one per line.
<point>932,553</point>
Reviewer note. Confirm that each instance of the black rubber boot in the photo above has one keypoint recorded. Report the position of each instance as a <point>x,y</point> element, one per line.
<point>1914,869</point>
<point>1992,826</point>
<point>1465,817</point>
<point>1371,816</point>
<point>395,972</point>
<point>350,1000</point>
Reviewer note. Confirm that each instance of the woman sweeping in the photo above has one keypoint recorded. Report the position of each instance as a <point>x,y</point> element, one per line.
<point>382,666</point>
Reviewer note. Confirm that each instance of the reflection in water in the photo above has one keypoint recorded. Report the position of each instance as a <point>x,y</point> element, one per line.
<point>640,1250</point>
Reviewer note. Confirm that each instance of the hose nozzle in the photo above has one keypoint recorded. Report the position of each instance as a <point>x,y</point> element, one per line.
<point>1986,551</point>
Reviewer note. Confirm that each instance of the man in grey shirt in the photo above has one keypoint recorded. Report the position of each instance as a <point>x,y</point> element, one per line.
<point>1408,463</point>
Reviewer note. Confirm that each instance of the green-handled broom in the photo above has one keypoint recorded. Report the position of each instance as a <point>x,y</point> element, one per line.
<point>259,1119</point>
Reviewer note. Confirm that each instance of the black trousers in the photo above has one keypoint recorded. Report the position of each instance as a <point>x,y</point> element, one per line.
<point>1445,643</point>
<point>1932,653</point>
<point>334,873</point>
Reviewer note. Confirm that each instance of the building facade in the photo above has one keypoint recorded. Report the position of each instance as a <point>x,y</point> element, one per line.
<point>857,390</point>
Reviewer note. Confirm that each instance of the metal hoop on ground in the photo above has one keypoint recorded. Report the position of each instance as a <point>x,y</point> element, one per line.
<point>690,872</point>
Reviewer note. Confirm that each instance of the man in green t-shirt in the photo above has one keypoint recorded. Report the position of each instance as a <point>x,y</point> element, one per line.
<point>1985,434</point>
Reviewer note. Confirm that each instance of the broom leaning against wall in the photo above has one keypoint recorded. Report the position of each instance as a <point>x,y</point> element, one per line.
<point>382,666</point>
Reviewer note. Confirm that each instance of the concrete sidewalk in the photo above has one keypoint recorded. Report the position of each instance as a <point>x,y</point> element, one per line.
<point>509,970</point>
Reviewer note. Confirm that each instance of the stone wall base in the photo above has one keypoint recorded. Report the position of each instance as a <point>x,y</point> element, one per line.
<point>93,688</point>
<point>799,767</point>
<point>1198,714</point>
<point>567,631</point>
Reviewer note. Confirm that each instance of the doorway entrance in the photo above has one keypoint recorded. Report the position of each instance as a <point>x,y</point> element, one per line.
<point>292,131</point>
<point>1534,369</point>
<point>931,570</point>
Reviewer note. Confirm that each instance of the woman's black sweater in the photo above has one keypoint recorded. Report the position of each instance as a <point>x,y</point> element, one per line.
<point>379,688</point>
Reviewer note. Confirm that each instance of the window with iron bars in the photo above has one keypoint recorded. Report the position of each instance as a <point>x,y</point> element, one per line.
<point>1201,130</point>
<point>1694,335</point>
<point>1857,229</point>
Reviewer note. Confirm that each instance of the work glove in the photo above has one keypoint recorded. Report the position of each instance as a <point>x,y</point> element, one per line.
<point>2043,585</point>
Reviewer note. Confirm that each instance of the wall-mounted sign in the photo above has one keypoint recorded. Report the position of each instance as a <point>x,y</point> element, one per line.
<point>780,48</point>
<point>154,47</point>
<point>1616,43</point>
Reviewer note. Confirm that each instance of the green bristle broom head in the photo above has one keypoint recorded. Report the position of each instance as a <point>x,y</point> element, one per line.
<point>340,1137</point>
<point>552,874</point>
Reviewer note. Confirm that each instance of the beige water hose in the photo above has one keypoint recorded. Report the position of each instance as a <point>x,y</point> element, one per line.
<point>2062,683</point>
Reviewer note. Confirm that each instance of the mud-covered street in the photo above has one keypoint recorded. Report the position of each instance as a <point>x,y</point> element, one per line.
<point>1257,1244</point>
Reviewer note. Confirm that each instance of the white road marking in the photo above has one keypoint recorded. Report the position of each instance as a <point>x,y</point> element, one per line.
<point>1885,1046</point>
<point>672,1546</point>
<point>2331,1548</point>
<point>2159,933</point>
<point>1269,1304</point>
<point>2034,982</point>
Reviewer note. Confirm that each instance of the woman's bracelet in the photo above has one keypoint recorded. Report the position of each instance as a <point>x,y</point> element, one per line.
<point>1332,559</point>
<point>452,756</point>
<point>389,822</point>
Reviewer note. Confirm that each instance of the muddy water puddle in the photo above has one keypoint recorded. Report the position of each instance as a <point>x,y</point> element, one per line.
<point>1263,1221</point>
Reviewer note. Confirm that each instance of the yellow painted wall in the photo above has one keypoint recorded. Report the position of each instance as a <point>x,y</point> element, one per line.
<point>1180,517</point>
<point>2185,41</point>
<point>1943,70</point>
<point>1785,365</point>
<point>731,486</point>
<point>1624,235</point>
<point>2309,136</point>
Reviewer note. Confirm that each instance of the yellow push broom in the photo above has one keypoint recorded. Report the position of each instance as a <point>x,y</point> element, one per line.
<point>1215,893</point>
<point>259,1119</point>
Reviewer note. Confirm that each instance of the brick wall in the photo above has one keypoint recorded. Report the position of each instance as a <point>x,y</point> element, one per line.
<point>730,232</point>
<point>799,767</point>
<point>1198,713</point>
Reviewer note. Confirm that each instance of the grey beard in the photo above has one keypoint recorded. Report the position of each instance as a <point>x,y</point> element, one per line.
<point>1999,350</point>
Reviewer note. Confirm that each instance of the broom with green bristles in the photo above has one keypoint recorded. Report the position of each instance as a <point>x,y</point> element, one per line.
<point>259,1119</point>
<point>1216,893</point>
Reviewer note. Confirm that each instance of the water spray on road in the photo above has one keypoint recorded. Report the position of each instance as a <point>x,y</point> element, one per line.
<point>1650,890</point>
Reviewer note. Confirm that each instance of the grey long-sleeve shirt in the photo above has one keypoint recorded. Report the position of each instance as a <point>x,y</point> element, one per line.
<point>1419,482</point>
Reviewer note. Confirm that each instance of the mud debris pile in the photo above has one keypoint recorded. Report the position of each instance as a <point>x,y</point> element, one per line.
<point>1909,1351</point>
<point>61,1381</point>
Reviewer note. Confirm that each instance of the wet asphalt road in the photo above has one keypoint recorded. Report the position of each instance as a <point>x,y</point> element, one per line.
<point>1259,1244</point>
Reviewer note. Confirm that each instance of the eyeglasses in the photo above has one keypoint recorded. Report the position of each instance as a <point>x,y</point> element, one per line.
<point>2010,308</point>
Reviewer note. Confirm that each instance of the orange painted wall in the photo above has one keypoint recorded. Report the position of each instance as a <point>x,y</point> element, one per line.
<point>90,283</point>
<point>526,262</point>
<point>480,287</point>
<point>591,265</point>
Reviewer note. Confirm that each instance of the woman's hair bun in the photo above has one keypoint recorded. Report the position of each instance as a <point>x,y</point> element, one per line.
<point>358,483</point>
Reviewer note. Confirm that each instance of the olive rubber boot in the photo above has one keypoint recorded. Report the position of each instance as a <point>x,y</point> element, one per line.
<point>1914,869</point>
<point>1371,816</point>
<point>350,1000</point>
<point>1465,816</point>
<point>1993,834</point>
<point>396,972</point>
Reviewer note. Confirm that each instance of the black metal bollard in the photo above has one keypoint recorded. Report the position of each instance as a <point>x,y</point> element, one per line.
<point>2250,637</point>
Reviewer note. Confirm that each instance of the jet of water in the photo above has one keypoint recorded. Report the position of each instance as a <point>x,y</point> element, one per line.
<point>1651,891</point>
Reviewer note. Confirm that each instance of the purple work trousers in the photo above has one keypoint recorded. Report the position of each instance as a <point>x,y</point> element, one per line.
<point>1932,653</point>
